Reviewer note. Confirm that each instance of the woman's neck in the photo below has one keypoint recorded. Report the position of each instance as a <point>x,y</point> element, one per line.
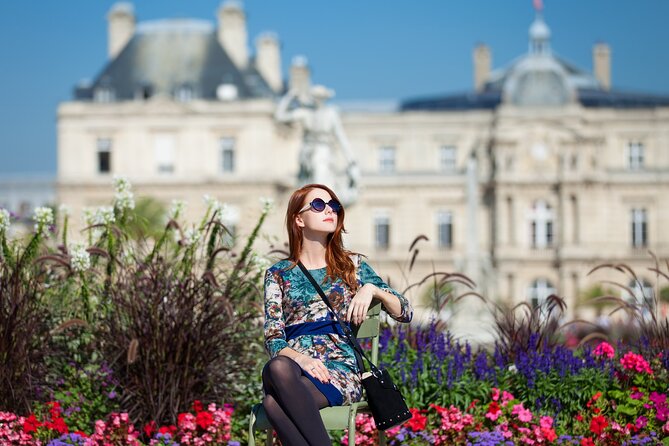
<point>312,254</point>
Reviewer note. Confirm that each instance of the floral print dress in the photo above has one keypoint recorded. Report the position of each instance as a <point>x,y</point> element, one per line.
<point>297,317</point>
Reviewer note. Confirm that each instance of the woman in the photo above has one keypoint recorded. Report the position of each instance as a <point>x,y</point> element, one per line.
<point>312,366</point>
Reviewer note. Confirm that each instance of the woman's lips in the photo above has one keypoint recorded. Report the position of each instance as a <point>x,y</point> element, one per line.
<point>328,219</point>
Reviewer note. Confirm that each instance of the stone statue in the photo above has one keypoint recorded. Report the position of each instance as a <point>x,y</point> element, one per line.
<point>323,135</point>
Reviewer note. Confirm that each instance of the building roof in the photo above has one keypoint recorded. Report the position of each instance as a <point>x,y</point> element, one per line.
<point>537,78</point>
<point>179,58</point>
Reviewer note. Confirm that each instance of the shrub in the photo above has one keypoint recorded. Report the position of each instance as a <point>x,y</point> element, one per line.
<point>184,320</point>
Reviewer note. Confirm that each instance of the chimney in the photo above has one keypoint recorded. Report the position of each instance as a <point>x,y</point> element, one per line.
<point>601,62</point>
<point>268,60</point>
<point>232,32</point>
<point>121,27</point>
<point>482,61</point>
<point>300,77</point>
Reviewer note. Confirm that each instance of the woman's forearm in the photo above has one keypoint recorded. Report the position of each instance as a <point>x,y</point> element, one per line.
<point>389,301</point>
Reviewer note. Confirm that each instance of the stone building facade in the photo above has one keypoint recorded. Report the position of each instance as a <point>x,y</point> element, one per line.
<point>525,183</point>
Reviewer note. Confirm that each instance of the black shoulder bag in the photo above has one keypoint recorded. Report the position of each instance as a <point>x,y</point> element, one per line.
<point>384,398</point>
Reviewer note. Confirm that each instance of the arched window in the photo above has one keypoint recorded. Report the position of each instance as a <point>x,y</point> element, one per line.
<point>541,225</point>
<point>538,291</point>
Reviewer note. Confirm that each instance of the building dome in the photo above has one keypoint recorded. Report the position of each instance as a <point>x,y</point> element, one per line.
<point>537,81</point>
<point>539,30</point>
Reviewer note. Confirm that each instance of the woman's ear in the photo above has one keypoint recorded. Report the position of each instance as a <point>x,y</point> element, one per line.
<point>299,221</point>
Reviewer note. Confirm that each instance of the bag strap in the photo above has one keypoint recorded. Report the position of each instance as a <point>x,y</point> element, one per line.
<point>352,340</point>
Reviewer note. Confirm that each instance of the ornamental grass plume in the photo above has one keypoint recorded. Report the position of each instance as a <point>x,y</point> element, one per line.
<point>641,306</point>
<point>25,337</point>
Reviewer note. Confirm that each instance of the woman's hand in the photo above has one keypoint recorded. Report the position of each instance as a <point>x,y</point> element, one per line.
<point>314,367</point>
<point>357,309</point>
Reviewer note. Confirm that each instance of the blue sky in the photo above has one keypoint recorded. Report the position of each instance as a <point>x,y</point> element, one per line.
<point>364,49</point>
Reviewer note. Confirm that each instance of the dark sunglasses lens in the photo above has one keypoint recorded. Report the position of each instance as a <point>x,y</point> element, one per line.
<point>335,206</point>
<point>318,205</point>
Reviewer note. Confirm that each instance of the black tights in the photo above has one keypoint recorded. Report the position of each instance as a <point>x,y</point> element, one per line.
<point>292,402</point>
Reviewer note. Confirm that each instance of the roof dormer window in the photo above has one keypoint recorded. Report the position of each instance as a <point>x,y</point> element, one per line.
<point>104,94</point>
<point>184,93</point>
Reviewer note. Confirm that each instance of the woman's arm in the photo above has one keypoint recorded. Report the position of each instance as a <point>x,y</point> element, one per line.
<point>374,288</point>
<point>275,334</point>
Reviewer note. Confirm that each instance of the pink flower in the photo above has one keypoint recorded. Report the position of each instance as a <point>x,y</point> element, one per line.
<point>495,394</point>
<point>636,395</point>
<point>605,349</point>
<point>523,414</point>
<point>506,397</point>
<point>632,361</point>
<point>546,422</point>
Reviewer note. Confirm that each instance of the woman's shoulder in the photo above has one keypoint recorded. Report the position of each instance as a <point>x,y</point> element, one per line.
<point>280,265</point>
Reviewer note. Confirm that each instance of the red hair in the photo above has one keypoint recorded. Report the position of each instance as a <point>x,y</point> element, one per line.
<point>338,259</point>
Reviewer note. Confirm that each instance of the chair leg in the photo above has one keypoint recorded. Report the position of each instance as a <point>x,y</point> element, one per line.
<point>382,438</point>
<point>351,426</point>
<point>252,421</point>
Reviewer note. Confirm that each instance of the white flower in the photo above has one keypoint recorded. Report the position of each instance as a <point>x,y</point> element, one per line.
<point>4,220</point>
<point>80,258</point>
<point>88,214</point>
<point>191,236</point>
<point>98,216</point>
<point>178,207</point>
<point>64,210</point>
<point>267,203</point>
<point>124,200</point>
<point>123,197</point>
<point>513,368</point>
<point>216,208</point>
<point>104,215</point>
<point>121,183</point>
<point>43,217</point>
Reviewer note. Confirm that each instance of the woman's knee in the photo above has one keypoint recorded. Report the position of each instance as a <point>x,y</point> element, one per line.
<point>278,368</point>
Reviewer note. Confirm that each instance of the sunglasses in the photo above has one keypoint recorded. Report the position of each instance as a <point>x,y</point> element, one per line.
<point>318,205</point>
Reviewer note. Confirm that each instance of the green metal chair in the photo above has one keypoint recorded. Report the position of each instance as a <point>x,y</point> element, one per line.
<point>338,417</point>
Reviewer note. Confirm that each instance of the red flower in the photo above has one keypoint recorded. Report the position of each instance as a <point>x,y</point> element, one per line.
<point>587,442</point>
<point>181,419</point>
<point>579,417</point>
<point>57,424</point>
<point>150,428</point>
<point>197,406</point>
<point>493,407</point>
<point>204,419</point>
<point>168,430</point>
<point>31,424</point>
<point>549,434</point>
<point>418,421</point>
<point>598,424</point>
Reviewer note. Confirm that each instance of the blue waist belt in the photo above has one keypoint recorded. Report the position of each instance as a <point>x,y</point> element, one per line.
<point>313,328</point>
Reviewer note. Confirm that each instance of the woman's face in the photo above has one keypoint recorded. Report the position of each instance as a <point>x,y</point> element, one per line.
<point>310,220</point>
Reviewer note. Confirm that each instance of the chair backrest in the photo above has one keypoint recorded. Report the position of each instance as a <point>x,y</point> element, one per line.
<point>369,329</point>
